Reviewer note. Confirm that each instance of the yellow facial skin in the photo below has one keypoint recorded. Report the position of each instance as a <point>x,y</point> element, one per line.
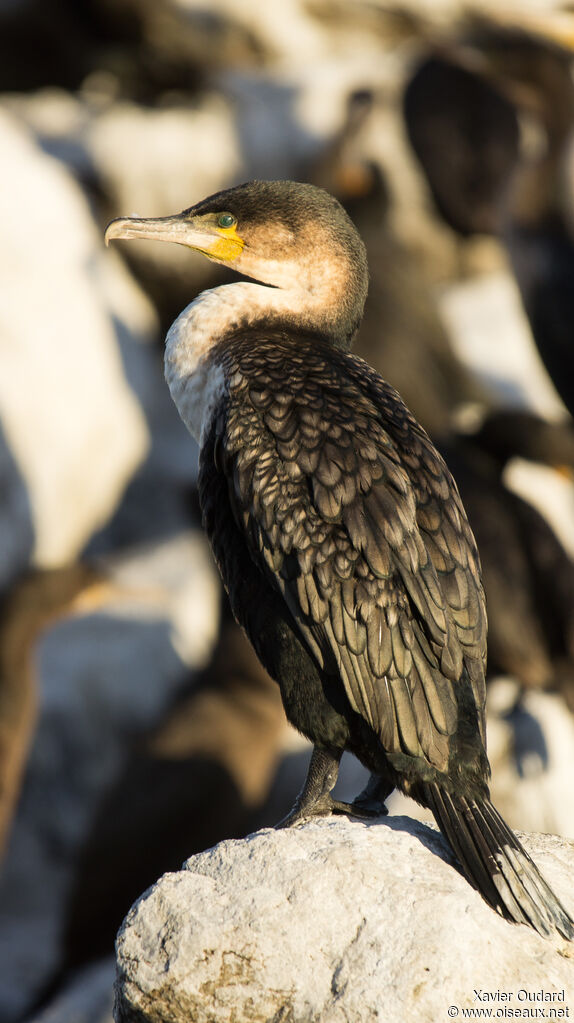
<point>226,245</point>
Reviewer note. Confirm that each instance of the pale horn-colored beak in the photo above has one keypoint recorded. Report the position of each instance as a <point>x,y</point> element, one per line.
<point>221,245</point>
<point>162,229</point>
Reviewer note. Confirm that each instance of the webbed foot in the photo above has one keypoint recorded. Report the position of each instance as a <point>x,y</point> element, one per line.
<point>315,799</point>
<point>305,811</point>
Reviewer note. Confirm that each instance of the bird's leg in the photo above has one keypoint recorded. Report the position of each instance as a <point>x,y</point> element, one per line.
<point>372,799</point>
<point>315,799</point>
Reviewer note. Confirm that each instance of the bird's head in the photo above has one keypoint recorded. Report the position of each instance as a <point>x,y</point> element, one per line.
<point>284,234</point>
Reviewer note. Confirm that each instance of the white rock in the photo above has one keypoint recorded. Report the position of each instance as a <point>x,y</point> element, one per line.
<point>292,31</point>
<point>331,922</point>
<point>550,491</point>
<point>491,334</point>
<point>284,30</point>
<point>71,420</point>
<point>154,162</point>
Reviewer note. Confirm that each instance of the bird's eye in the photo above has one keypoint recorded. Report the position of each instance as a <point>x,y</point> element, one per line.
<point>226,220</point>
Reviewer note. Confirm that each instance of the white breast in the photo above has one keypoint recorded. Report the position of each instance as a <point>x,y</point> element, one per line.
<point>196,383</point>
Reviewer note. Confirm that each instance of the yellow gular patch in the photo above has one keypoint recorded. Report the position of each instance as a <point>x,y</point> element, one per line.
<point>228,246</point>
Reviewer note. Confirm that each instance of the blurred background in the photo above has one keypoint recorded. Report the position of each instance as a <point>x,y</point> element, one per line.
<point>136,727</point>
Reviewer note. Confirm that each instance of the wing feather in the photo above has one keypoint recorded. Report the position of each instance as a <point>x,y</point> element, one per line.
<point>354,518</point>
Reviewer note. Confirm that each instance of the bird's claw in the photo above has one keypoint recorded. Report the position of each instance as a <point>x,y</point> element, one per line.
<point>365,809</point>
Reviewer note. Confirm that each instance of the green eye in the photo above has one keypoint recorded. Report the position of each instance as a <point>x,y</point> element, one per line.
<point>226,220</point>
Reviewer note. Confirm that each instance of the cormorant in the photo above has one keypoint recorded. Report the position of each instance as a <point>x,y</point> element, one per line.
<point>337,528</point>
<point>450,108</point>
<point>490,184</point>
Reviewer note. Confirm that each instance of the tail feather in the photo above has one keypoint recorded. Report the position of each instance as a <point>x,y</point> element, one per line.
<point>495,862</point>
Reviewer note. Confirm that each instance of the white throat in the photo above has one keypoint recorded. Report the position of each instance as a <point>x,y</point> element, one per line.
<point>197,383</point>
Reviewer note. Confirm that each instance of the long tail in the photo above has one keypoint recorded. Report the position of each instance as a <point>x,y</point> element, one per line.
<point>495,863</point>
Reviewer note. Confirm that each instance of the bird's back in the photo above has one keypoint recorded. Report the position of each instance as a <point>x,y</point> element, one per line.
<point>351,518</point>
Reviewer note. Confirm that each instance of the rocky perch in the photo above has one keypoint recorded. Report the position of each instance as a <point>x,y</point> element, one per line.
<point>334,922</point>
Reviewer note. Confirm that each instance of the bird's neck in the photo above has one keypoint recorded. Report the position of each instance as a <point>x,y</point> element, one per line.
<point>191,366</point>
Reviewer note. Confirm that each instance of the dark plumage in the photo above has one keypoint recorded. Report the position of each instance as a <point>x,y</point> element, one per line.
<point>337,528</point>
<point>449,108</point>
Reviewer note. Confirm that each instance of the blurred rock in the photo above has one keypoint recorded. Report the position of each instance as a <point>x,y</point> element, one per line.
<point>531,750</point>
<point>16,528</point>
<point>73,423</point>
<point>333,921</point>
<point>88,998</point>
<point>550,491</point>
<point>59,122</point>
<point>202,774</point>
<point>165,158</point>
<point>35,601</point>
<point>287,34</point>
<point>103,679</point>
<point>490,332</point>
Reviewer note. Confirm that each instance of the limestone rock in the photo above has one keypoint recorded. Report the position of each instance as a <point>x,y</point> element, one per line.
<point>331,922</point>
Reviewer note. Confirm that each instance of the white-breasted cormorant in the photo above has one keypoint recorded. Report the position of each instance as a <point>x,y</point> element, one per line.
<point>337,528</point>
